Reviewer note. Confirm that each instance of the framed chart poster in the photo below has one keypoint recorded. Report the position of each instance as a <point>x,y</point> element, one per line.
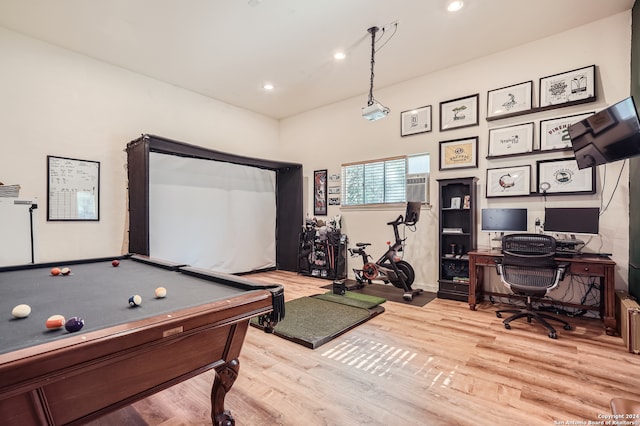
<point>73,189</point>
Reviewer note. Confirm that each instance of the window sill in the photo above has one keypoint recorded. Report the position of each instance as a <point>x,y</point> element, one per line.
<point>382,207</point>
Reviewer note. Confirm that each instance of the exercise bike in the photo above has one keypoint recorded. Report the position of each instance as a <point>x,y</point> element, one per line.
<point>390,268</point>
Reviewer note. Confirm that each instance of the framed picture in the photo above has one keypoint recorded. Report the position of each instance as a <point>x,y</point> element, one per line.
<point>320,192</point>
<point>570,86</point>
<point>415,121</point>
<point>457,113</point>
<point>455,202</point>
<point>334,201</point>
<point>562,177</point>
<point>554,133</point>
<point>459,153</point>
<point>511,140</point>
<point>510,99</point>
<point>509,181</point>
<point>73,188</point>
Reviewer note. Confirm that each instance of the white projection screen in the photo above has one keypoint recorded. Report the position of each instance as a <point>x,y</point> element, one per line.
<point>212,214</point>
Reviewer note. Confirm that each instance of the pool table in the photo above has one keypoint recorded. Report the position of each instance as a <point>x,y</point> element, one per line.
<point>123,353</point>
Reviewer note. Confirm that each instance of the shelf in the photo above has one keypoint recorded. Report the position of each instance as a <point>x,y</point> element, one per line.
<point>445,257</point>
<point>544,108</point>
<point>534,152</point>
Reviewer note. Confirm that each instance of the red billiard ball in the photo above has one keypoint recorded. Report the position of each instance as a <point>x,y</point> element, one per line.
<point>115,262</point>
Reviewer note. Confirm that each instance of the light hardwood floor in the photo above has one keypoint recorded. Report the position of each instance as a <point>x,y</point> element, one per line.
<point>440,364</point>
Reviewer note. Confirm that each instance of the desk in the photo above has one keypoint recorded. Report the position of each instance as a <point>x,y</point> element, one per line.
<point>584,265</point>
<point>123,353</point>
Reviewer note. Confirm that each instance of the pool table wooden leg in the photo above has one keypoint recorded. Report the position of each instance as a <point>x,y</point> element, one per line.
<point>226,375</point>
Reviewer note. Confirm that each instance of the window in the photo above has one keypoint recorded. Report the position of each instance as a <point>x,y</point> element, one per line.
<point>386,181</point>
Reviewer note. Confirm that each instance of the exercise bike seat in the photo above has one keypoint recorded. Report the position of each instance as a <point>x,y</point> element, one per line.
<point>362,244</point>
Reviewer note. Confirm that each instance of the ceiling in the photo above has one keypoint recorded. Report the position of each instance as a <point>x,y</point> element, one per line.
<point>227,49</point>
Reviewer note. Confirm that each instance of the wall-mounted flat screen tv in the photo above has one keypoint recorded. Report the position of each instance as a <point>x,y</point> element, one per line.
<point>609,135</point>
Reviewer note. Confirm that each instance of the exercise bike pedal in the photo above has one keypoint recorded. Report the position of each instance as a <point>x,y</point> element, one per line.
<point>408,296</point>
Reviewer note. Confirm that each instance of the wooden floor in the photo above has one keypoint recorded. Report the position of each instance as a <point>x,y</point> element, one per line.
<point>440,364</point>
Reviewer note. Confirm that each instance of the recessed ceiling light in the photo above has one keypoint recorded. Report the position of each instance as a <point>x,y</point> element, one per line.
<point>268,86</point>
<point>455,6</point>
<point>339,55</point>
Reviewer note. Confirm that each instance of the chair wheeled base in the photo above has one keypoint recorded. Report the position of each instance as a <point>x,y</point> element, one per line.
<point>531,314</point>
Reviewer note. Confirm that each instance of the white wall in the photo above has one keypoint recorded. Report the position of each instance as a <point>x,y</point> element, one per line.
<point>55,102</point>
<point>336,134</point>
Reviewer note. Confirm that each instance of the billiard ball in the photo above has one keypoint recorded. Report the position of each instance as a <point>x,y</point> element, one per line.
<point>74,324</point>
<point>55,321</point>
<point>21,311</point>
<point>161,292</point>
<point>55,271</point>
<point>115,262</point>
<point>135,300</point>
<point>65,271</point>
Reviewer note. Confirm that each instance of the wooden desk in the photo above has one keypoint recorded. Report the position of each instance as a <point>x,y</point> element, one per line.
<point>583,265</point>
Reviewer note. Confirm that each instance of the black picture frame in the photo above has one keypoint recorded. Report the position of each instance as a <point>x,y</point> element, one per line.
<point>73,189</point>
<point>450,117</point>
<point>517,98</point>
<point>577,85</point>
<point>459,154</point>
<point>512,181</point>
<point>561,176</point>
<point>415,121</point>
<point>320,192</point>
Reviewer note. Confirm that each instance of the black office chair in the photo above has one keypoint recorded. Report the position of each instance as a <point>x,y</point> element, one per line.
<point>528,268</point>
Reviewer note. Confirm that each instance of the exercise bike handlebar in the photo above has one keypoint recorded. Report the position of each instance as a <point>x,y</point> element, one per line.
<point>398,221</point>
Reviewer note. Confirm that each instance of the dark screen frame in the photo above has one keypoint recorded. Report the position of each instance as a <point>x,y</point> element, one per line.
<point>491,219</point>
<point>572,220</point>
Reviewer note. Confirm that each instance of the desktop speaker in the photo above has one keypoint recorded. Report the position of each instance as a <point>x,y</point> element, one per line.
<point>628,321</point>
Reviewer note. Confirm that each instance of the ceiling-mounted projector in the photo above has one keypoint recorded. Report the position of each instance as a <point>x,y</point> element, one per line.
<point>375,111</point>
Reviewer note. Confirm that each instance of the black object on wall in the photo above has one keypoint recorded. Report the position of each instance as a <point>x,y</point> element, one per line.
<point>634,166</point>
<point>289,214</point>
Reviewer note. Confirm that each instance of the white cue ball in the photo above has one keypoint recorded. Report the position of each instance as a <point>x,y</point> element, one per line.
<point>21,311</point>
<point>161,292</point>
<point>135,300</point>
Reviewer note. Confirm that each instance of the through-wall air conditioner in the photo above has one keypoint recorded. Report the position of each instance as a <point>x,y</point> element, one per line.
<point>417,188</point>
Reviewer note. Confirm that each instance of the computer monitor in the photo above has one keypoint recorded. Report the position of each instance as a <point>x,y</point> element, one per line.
<point>412,215</point>
<point>609,135</point>
<point>572,220</point>
<point>504,220</point>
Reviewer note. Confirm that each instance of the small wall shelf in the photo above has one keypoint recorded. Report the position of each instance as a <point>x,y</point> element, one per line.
<point>544,108</point>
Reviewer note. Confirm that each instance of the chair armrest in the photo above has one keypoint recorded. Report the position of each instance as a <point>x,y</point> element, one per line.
<point>563,267</point>
<point>498,262</point>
